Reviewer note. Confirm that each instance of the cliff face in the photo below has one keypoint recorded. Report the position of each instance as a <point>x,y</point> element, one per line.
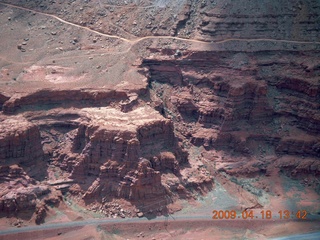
<point>253,104</point>
<point>20,142</point>
<point>22,167</point>
<point>107,105</point>
<point>124,152</point>
<point>116,153</point>
<point>3,99</point>
<point>23,196</point>
<point>291,20</point>
<point>67,98</point>
<point>106,153</point>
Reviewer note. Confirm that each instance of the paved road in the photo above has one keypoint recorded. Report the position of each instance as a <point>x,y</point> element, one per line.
<point>53,226</point>
<point>96,222</point>
<point>307,236</point>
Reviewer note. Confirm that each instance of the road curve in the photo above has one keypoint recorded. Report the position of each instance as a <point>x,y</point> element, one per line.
<point>154,37</point>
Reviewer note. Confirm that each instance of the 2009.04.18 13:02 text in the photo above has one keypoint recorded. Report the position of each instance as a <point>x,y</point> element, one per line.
<point>264,214</point>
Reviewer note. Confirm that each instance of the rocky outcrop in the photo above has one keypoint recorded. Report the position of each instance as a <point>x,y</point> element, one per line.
<point>210,97</point>
<point>295,146</point>
<point>21,159</point>
<point>20,142</point>
<point>41,213</point>
<point>166,161</point>
<point>291,20</point>
<point>3,99</point>
<point>258,105</point>
<point>235,91</point>
<point>306,168</point>
<point>19,191</point>
<point>142,183</point>
<point>124,152</point>
<point>48,97</point>
<point>22,199</point>
<point>12,172</point>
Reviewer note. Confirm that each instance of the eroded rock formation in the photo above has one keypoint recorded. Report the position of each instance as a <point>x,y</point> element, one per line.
<point>124,153</point>
<point>22,195</point>
<point>251,108</point>
<point>211,87</point>
<point>20,142</point>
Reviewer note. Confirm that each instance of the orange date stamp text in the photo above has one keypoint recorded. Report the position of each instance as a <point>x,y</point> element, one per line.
<point>263,214</point>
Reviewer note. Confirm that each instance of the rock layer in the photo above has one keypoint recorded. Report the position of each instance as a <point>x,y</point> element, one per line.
<point>23,195</point>
<point>20,142</point>
<point>118,148</point>
<point>54,98</point>
<point>256,106</point>
<point>235,92</point>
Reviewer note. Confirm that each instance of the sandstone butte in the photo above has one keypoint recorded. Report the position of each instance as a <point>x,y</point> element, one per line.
<point>106,109</point>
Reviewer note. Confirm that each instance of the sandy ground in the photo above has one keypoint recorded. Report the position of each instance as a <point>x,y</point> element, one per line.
<point>177,229</point>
